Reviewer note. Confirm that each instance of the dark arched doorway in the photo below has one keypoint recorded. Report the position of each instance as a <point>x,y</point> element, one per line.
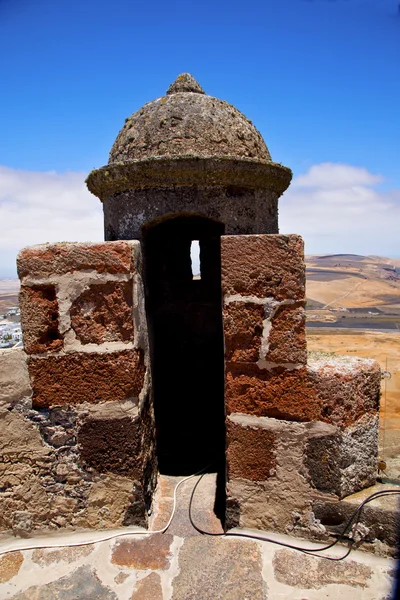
<point>186,342</point>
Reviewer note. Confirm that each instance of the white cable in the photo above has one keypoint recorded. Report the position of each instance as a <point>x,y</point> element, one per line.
<point>105,538</point>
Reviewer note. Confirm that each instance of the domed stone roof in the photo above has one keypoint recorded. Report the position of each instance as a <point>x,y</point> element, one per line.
<point>187,122</point>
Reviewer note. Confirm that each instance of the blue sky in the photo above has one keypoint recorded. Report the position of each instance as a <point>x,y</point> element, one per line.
<point>319,79</point>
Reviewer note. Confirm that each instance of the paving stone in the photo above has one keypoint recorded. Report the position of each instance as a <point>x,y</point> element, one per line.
<point>152,552</point>
<point>148,588</point>
<point>47,557</point>
<point>310,572</point>
<point>219,568</point>
<point>82,583</point>
<point>10,564</point>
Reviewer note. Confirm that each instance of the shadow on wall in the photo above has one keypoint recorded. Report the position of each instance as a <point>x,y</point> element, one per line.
<point>186,342</point>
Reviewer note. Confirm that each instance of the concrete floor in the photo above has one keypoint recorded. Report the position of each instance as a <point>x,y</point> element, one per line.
<point>182,564</point>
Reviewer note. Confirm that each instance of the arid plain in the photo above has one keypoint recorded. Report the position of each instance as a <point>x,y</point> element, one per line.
<point>353,307</point>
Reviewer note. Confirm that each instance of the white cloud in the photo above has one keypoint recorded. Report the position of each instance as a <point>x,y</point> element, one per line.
<point>336,176</point>
<point>44,207</point>
<point>339,208</point>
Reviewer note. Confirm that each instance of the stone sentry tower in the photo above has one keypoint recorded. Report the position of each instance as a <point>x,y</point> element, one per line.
<point>147,367</point>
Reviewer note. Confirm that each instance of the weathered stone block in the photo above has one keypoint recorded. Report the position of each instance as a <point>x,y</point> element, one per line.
<point>243,327</point>
<point>286,341</point>
<point>103,313</point>
<point>278,393</point>
<point>47,260</point>
<point>113,446</point>
<point>380,519</point>
<point>39,319</point>
<point>263,266</point>
<point>14,377</point>
<point>284,498</point>
<point>346,461</point>
<point>347,387</point>
<point>86,377</point>
<point>250,452</point>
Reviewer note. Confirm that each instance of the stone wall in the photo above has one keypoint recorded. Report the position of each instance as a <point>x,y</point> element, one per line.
<point>298,430</point>
<point>78,447</point>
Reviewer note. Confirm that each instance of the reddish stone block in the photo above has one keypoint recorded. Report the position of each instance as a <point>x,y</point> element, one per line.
<point>263,266</point>
<point>287,336</point>
<point>347,387</point>
<point>250,452</point>
<point>86,377</point>
<point>243,326</point>
<point>57,259</point>
<point>39,319</point>
<point>103,313</point>
<point>277,393</point>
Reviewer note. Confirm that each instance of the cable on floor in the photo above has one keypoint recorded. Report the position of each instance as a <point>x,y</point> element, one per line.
<point>311,551</point>
<point>107,537</point>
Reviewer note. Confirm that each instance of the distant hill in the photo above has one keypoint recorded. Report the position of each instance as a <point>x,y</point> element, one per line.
<point>337,281</point>
<point>9,289</point>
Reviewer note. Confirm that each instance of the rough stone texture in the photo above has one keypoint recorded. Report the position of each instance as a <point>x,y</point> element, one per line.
<point>150,552</point>
<point>241,209</point>
<point>263,266</point>
<point>113,445</point>
<point>103,313</point>
<point>82,583</point>
<point>109,498</point>
<point>348,387</point>
<point>243,327</point>
<point>39,319</point>
<point>86,377</point>
<point>148,588</point>
<point>185,82</point>
<point>186,122</point>
<point>309,572</point>
<point>345,462</point>
<point>43,485</point>
<point>45,557</point>
<point>311,460</point>
<point>14,377</point>
<point>287,337</point>
<point>217,568</point>
<point>274,502</point>
<point>10,565</point>
<point>250,452</point>
<point>380,519</point>
<point>189,152</point>
<point>275,393</point>
<point>47,260</point>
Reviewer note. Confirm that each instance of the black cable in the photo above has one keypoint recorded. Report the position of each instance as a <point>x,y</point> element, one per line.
<point>309,551</point>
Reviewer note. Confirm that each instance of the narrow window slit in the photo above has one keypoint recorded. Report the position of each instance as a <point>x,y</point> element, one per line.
<point>195,258</point>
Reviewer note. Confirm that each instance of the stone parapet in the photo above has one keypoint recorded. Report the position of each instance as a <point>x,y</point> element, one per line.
<point>298,427</point>
<point>277,469</point>
<point>78,450</point>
